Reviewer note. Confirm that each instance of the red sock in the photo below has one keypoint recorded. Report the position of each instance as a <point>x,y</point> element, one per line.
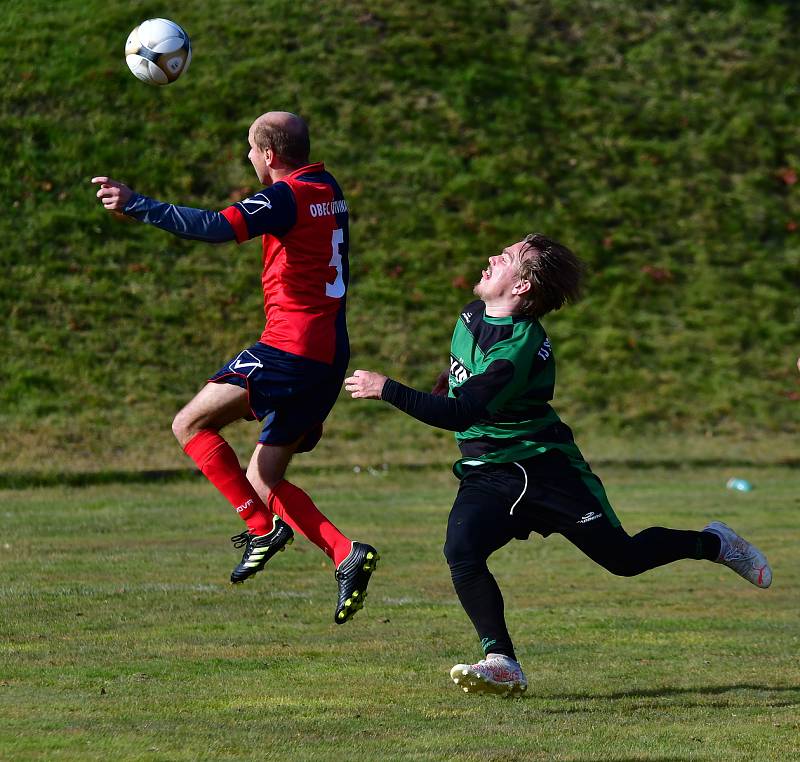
<point>219,464</point>
<point>298,510</point>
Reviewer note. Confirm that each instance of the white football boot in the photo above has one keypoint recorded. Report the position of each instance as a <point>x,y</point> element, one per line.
<point>738,554</point>
<point>496,673</point>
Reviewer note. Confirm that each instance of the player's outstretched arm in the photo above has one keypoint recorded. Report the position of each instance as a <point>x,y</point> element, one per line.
<point>453,414</point>
<point>182,221</point>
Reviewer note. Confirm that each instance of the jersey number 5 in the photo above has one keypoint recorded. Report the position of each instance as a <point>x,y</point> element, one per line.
<point>336,289</point>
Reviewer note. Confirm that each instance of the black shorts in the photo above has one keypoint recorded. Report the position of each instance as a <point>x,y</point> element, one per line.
<point>544,494</point>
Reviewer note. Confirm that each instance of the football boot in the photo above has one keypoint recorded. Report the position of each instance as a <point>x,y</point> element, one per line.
<point>496,674</point>
<point>353,575</point>
<point>258,549</point>
<point>738,554</point>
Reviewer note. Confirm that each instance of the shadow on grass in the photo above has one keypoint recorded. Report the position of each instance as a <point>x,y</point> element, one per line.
<point>703,693</point>
<point>25,479</point>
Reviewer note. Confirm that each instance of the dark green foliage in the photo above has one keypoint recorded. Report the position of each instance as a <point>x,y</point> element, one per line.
<point>659,140</point>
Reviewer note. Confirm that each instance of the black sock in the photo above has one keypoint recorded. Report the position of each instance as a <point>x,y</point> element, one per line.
<point>711,545</point>
<point>482,600</point>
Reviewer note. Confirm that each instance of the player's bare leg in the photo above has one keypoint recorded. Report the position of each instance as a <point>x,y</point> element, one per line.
<point>354,561</point>
<point>213,407</point>
<point>268,464</point>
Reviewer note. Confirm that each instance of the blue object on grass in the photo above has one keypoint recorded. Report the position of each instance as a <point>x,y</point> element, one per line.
<point>740,485</point>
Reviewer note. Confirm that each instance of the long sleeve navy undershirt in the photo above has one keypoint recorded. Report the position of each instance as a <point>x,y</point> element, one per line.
<point>182,221</point>
<point>451,413</point>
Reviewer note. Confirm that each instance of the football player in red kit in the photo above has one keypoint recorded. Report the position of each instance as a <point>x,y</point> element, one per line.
<point>291,377</point>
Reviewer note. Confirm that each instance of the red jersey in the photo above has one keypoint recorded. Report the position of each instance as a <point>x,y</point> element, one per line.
<point>304,224</point>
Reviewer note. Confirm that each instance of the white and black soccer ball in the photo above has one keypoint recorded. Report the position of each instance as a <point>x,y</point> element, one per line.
<point>158,51</point>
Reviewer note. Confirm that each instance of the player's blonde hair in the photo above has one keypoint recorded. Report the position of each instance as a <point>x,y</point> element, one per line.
<point>554,272</point>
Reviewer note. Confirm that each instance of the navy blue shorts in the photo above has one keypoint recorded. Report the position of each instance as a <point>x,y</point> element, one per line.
<point>292,395</point>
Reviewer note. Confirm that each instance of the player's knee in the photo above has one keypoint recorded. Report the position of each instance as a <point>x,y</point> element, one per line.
<point>177,427</point>
<point>460,549</point>
<point>267,467</point>
<point>182,428</point>
<point>266,479</point>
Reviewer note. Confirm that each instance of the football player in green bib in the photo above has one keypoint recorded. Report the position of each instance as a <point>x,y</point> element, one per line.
<point>520,470</point>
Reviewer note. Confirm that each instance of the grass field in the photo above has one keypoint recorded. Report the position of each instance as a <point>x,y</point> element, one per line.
<point>121,638</point>
<point>660,140</point>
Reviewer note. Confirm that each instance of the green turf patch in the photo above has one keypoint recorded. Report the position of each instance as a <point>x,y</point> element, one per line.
<point>121,637</point>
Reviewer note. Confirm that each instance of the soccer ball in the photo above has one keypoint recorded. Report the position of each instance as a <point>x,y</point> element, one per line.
<point>158,51</point>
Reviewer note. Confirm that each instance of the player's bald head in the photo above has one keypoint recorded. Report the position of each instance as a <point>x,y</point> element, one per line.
<point>285,134</point>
